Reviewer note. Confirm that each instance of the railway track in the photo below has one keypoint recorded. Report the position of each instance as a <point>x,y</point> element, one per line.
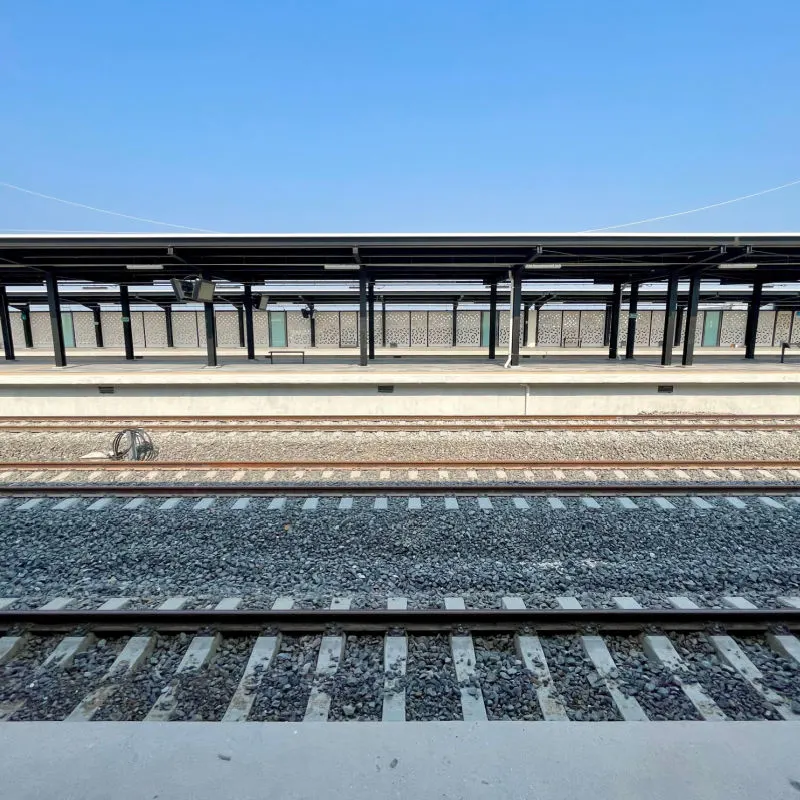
<point>393,664</point>
<point>679,422</point>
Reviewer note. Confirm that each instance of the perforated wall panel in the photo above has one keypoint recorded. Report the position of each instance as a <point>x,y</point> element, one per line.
<point>550,328</point>
<point>782,324</point>
<point>348,328</point>
<point>112,328</point>
<point>766,325</point>
<point>397,323</point>
<point>440,328</point>
<point>732,328</point>
<point>468,330</point>
<point>591,330</point>
<point>83,325</point>
<point>227,329</point>
<point>298,330</point>
<point>184,328</point>
<point>327,329</point>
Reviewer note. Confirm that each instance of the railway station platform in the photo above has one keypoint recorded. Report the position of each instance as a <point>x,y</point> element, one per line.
<point>366,760</point>
<point>399,383</point>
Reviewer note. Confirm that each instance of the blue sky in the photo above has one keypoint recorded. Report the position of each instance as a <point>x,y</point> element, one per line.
<point>382,115</point>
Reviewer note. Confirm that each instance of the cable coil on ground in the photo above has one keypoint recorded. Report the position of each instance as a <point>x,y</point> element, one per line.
<point>133,444</point>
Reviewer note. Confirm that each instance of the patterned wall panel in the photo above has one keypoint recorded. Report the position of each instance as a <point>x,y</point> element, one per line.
<point>766,325</point>
<point>795,328</point>
<point>503,318</point>
<point>327,329</point>
<point>419,328</point>
<point>227,329</point>
<point>782,325</point>
<point>378,327</point>
<point>348,328</point>
<point>570,330</point>
<point>260,330</point>
<point>298,330</point>
<point>201,328</point>
<point>155,328</point>
<point>83,325</point>
<point>643,320</point>
<point>656,328</point>
<point>531,325</point>
<point>591,331</point>
<point>732,328</point>
<point>184,328</point>
<point>698,331</point>
<point>550,328</point>
<point>468,328</point>
<point>111,322</point>
<point>397,323</point>
<point>440,329</point>
<point>40,328</point>
<point>137,325</point>
<point>17,333</point>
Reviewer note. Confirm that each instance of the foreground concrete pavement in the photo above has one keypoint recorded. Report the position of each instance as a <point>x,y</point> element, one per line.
<point>367,761</point>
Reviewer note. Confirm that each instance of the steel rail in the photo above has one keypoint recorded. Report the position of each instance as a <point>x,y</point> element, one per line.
<point>413,620</point>
<point>89,465</point>
<point>396,489</point>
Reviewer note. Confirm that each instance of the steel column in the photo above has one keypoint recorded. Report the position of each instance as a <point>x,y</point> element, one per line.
<point>669,321</point>
<point>455,322</point>
<point>753,307</point>
<point>211,334</point>
<point>5,326</point>
<point>607,326</point>
<point>54,307</point>
<point>691,321</point>
<point>371,320</point>
<point>492,318</point>
<point>240,320</point>
<point>383,322</point>
<point>168,325</point>
<point>633,313</point>
<point>526,310</point>
<point>312,325</point>
<point>613,330</point>
<point>127,328</point>
<point>27,330</point>
<point>363,337</point>
<point>516,303</point>
<point>98,326</point>
<point>248,321</point>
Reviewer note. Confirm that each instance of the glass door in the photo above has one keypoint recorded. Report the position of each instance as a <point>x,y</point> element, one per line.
<point>484,328</point>
<point>711,324</point>
<point>68,328</point>
<point>277,329</point>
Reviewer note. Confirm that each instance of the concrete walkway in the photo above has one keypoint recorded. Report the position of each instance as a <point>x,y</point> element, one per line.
<point>377,761</point>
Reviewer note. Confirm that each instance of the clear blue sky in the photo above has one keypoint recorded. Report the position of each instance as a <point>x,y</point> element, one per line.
<point>390,115</point>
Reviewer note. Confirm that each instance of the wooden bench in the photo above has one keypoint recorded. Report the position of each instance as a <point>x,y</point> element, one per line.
<point>786,346</point>
<point>272,353</point>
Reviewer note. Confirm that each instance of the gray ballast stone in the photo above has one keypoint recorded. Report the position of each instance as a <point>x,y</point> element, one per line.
<point>432,691</point>
<point>357,687</point>
<point>423,555</point>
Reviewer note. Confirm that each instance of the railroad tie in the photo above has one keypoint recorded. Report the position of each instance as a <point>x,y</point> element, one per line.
<point>530,651</point>
<point>395,657</point>
<point>660,650</point>
<point>731,653</point>
<point>598,653</point>
<point>261,659</point>
<point>331,653</point>
<point>473,708</point>
<point>785,645</point>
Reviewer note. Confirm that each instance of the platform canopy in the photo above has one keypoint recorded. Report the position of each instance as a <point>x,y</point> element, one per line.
<point>253,258</point>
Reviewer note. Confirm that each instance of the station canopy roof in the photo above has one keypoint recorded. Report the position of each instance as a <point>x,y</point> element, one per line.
<point>255,258</point>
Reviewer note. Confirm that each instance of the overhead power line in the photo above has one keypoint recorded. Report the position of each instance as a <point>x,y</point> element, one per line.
<point>100,210</point>
<point>695,210</point>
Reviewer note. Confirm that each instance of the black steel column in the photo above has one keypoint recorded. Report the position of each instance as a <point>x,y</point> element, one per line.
<point>371,314</point>
<point>168,324</point>
<point>127,328</point>
<point>613,331</point>
<point>753,307</point>
<point>678,325</point>
<point>5,326</point>
<point>516,303</point>
<point>492,318</point>
<point>54,306</point>
<point>669,321</point>
<point>248,321</point>
<point>691,321</point>
<point>98,326</point>
<point>455,322</point>
<point>537,309</point>
<point>240,320</point>
<point>607,326</point>
<point>312,324</point>
<point>27,331</point>
<point>211,334</point>
<point>363,337</point>
<point>633,313</point>
<point>526,310</point>
<point>383,322</point>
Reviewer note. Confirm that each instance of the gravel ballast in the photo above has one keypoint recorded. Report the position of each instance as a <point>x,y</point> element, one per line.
<point>422,446</point>
<point>432,691</point>
<point>424,555</point>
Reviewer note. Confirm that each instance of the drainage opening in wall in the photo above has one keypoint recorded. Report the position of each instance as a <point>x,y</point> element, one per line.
<point>385,389</point>
<point>666,389</point>
<point>105,389</point>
